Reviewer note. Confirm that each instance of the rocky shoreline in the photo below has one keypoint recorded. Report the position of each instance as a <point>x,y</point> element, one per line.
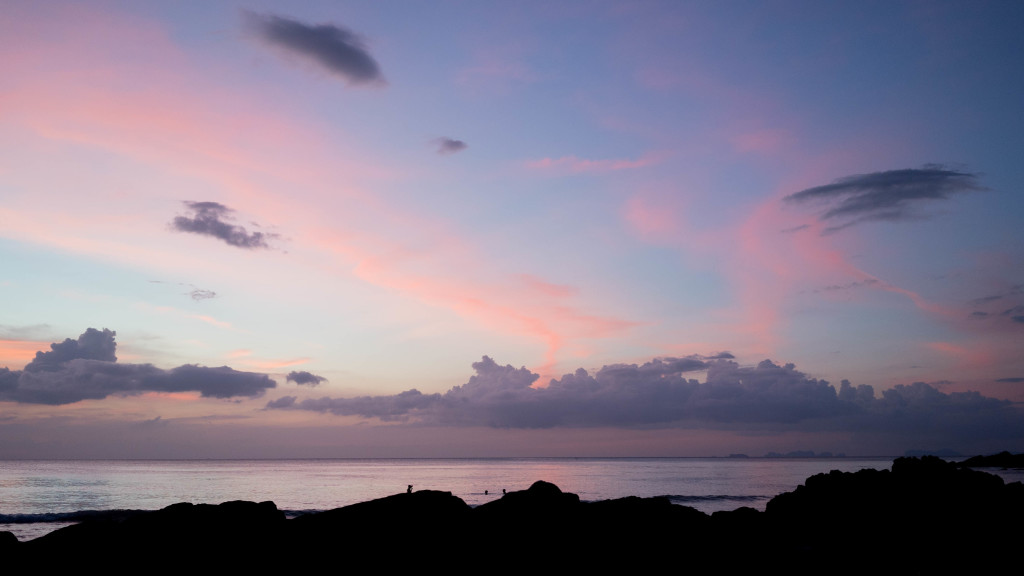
<point>923,515</point>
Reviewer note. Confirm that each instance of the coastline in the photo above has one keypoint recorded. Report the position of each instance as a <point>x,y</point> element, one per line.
<point>883,516</point>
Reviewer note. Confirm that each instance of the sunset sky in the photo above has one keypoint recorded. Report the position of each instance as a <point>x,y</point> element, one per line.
<point>348,229</point>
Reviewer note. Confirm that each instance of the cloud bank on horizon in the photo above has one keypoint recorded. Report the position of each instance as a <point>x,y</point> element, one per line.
<point>87,369</point>
<point>659,394</point>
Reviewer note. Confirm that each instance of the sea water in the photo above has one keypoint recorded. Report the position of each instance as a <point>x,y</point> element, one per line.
<point>37,497</point>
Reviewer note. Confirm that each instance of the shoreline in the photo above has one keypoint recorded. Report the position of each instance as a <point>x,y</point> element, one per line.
<point>927,505</point>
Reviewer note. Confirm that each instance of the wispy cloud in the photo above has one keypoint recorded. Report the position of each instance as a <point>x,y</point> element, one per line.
<point>892,195</point>
<point>333,48</point>
<point>196,293</point>
<point>209,219</point>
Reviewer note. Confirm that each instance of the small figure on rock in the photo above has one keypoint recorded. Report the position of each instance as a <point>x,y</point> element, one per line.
<point>409,489</point>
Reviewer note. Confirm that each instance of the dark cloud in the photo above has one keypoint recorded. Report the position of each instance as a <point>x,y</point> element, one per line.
<point>660,394</point>
<point>890,196</point>
<point>93,344</point>
<point>303,377</point>
<point>795,229</point>
<point>1002,308</point>
<point>282,402</point>
<point>87,369</point>
<point>339,51</point>
<point>208,218</point>
<point>449,145</point>
<point>1013,380</point>
<point>1015,314</point>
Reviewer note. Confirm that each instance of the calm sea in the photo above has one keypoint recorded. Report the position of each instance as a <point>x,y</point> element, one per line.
<point>37,497</point>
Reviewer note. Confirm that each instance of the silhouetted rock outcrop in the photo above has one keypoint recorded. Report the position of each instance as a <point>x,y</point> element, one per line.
<point>180,535</point>
<point>924,515</point>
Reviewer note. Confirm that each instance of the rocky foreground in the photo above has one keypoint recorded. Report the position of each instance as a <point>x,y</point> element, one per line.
<point>926,515</point>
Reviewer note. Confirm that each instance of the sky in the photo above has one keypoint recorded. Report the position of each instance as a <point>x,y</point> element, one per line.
<point>467,229</point>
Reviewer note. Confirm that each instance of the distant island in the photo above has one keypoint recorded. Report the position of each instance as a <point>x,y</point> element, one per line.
<point>925,515</point>
<point>1001,460</point>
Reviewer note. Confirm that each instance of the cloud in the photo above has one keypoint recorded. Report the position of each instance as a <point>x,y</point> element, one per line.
<point>208,219</point>
<point>303,377</point>
<point>87,369</point>
<point>795,229</point>
<point>1015,314</point>
<point>893,195</point>
<point>660,393</point>
<point>1012,380</point>
<point>199,294</point>
<point>449,145</point>
<point>91,345</point>
<point>196,293</point>
<point>337,50</point>
<point>848,286</point>
<point>282,402</point>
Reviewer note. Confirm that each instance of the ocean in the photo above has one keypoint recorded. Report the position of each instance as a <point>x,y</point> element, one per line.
<point>37,497</point>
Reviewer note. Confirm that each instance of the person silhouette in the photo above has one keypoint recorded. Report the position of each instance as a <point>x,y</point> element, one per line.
<point>409,489</point>
<point>485,492</point>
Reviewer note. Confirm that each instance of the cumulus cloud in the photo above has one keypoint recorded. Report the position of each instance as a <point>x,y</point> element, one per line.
<point>892,195</point>
<point>335,49</point>
<point>87,369</point>
<point>449,145</point>
<point>303,377</point>
<point>208,219</point>
<point>662,393</point>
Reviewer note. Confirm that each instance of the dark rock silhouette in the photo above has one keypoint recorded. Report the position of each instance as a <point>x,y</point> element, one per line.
<point>926,515</point>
